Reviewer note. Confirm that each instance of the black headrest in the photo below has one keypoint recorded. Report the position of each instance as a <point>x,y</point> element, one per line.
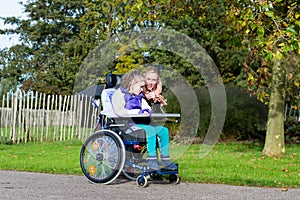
<point>111,80</point>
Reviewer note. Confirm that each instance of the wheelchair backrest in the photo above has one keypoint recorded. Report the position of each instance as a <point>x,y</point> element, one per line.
<point>111,82</point>
<point>106,99</point>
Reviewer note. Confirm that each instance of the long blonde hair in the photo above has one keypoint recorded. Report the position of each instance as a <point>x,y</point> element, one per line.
<point>149,70</point>
<point>152,69</point>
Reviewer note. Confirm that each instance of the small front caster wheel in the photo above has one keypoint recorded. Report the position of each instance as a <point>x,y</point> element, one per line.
<point>174,178</point>
<point>141,181</point>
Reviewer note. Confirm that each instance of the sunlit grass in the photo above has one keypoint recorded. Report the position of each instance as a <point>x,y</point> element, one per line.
<point>241,164</point>
<point>57,157</point>
<point>227,163</point>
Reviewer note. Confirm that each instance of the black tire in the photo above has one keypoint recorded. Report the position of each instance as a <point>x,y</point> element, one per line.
<point>102,157</point>
<point>142,181</point>
<point>156,176</point>
<point>174,178</point>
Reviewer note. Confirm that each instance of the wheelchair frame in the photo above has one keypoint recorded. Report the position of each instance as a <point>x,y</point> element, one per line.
<point>109,151</point>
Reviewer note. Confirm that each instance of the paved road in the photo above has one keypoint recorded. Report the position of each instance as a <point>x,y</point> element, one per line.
<point>25,185</point>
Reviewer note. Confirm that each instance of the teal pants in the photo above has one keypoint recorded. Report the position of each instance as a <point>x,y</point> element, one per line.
<point>163,134</point>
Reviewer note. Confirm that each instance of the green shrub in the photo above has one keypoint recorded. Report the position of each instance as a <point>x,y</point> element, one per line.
<point>246,117</point>
<point>292,131</point>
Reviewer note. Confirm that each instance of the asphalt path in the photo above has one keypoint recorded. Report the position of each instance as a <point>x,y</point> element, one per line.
<point>31,186</point>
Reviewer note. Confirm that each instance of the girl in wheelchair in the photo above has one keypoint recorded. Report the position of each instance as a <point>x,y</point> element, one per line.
<point>129,99</point>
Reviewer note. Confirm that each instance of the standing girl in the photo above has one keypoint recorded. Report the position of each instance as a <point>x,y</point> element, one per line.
<point>153,87</point>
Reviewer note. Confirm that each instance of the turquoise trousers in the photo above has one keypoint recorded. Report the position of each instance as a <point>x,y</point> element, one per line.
<point>163,135</point>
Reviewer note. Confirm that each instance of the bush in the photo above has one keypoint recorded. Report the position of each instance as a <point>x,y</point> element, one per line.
<point>246,117</point>
<point>292,131</point>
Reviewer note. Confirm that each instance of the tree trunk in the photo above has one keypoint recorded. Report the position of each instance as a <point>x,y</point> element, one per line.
<point>274,143</point>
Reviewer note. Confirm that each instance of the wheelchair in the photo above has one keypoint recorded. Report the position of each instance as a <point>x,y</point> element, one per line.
<point>119,146</point>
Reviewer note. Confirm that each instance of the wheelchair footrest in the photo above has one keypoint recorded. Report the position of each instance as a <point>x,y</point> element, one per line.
<point>165,170</point>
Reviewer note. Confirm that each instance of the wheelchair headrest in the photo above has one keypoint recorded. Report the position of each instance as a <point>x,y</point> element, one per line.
<point>112,80</point>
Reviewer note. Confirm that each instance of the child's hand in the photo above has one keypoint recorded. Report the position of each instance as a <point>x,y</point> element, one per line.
<point>151,95</point>
<point>146,112</point>
<point>161,100</point>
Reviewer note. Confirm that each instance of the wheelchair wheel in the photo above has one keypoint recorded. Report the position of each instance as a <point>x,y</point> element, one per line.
<point>102,157</point>
<point>142,181</point>
<point>174,178</point>
<point>155,175</point>
<point>130,172</point>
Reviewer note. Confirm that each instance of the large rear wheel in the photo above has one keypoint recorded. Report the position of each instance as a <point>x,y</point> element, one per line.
<point>102,157</point>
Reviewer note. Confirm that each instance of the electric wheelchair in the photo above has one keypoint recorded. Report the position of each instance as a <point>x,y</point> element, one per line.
<point>119,146</point>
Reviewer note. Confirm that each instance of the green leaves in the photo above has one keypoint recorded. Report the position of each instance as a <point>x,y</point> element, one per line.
<point>260,31</point>
<point>60,33</point>
<point>270,14</point>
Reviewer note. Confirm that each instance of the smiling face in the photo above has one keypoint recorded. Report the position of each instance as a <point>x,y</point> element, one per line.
<point>137,87</point>
<point>151,81</point>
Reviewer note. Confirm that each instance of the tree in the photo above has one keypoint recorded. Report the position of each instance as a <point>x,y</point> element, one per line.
<point>270,30</point>
<point>50,37</point>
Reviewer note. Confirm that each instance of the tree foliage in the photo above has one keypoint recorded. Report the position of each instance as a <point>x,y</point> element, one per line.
<point>51,43</point>
<point>270,31</point>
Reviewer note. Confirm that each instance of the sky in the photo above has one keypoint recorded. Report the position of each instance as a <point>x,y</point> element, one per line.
<point>9,8</point>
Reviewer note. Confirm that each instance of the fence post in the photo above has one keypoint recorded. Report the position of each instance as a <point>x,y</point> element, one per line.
<point>79,116</point>
<point>74,115</point>
<point>31,119</point>
<point>3,119</point>
<point>48,115</point>
<point>8,113</point>
<point>67,118</point>
<point>14,118</point>
<point>27,117</point>
<point>55,126</point>
<point>71,117</point>
<point>61,117</point>
<point>19,114</point>
<point>85,117</point>
<point>52,112</point>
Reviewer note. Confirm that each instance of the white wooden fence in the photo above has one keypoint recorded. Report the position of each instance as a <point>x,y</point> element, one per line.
<point>31,116</point>
<point>26,117</point>
<point>292,113</point>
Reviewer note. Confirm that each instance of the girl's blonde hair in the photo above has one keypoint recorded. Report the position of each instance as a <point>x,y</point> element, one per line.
<point>152,69</point>
<point>132,77</point>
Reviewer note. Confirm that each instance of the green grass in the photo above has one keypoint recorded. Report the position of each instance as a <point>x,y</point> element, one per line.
<point>56,157</point>
<point>227,163</point>
<point>241,164</point>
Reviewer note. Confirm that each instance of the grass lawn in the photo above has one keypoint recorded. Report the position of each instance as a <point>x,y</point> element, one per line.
<point>227,163</point>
